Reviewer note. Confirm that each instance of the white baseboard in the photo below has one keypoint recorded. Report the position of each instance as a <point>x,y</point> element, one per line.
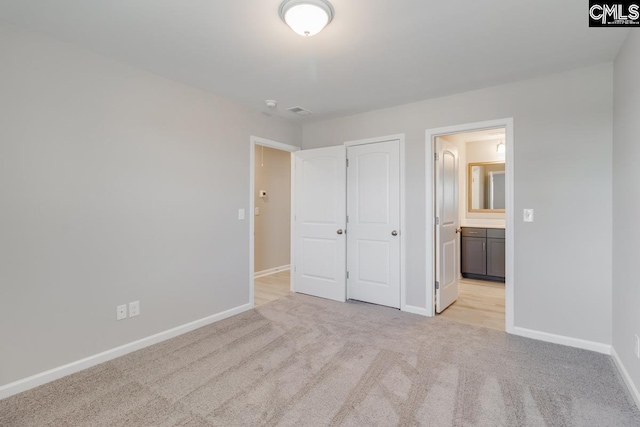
<point>560,339</point>
<point>415,310</point>
<point>79,365</point>
<point>626,377</point>
<point>271,271</point>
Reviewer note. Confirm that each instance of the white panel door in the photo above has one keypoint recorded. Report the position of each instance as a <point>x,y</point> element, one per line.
<point>447,220</point>
<point>320,238</point>
<point>373,209</point>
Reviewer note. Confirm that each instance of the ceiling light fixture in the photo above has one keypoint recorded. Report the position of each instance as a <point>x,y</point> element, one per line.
<point>500,148</point>
<point>306,17</point>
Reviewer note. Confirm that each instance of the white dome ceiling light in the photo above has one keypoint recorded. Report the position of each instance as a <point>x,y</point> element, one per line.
<point>306,17</point>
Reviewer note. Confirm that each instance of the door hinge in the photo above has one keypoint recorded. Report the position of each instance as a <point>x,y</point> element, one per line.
<point>436,156</point>
<point>437,221</point>
<point>347,219</point>
<point>437,285</point>
<point>347,162</point>
<point>347,274</point>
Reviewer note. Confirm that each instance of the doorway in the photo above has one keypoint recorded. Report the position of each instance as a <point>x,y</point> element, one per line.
<point>270,216</point>
<point>470,228</point>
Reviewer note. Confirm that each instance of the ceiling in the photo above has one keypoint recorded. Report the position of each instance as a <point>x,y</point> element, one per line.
<point>375,53</point>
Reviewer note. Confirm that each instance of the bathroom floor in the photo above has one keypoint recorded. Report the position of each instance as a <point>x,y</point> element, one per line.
<point>480,303</point>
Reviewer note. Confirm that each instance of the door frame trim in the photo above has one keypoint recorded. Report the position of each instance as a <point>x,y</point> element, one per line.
<point>403,228</point>
<point>430,135</point>
<point>253,141</point>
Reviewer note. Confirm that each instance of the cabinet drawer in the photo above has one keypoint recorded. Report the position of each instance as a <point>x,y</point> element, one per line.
<point>474,232</point>
<point>495,233</point>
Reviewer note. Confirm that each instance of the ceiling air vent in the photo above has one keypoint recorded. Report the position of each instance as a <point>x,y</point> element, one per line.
<point>299,111</point>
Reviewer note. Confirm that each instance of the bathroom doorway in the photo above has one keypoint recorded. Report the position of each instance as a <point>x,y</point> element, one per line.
<point>470,204</point>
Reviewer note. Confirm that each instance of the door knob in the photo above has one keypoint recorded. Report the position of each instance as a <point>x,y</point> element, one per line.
<point>394,233</point>
<point>339,231</point>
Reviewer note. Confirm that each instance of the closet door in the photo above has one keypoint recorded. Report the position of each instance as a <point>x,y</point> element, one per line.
<point>373,212</point>
<point>320,236</point>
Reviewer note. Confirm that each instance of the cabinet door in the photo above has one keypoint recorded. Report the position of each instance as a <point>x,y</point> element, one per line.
<point>474,255</point>
<point>495,257</point>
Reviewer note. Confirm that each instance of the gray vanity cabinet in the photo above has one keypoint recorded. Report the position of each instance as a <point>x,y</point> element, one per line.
<point>483,253</point>
<point>474,255</point>
<point>495,257</point>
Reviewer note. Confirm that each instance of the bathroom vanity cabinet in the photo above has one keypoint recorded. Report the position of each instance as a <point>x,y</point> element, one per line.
<point>483,253</point>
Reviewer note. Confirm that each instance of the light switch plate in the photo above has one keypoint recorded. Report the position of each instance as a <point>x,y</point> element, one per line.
<point>134,308</point>
<point>528,215</point>
<point>240,213</point>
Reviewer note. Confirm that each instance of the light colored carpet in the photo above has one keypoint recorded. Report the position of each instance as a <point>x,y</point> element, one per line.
<point>304,361</point>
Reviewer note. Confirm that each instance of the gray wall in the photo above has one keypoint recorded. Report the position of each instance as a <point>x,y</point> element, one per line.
<point>626,204</point>
<point>563,127</point>
<point>115,186</point>
<point>273,225</point>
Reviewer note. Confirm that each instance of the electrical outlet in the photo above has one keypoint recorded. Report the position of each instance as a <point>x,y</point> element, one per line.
<point>121,312</point>
<point>637,349</point>
<point>256,210</point>
<point>134,309</point>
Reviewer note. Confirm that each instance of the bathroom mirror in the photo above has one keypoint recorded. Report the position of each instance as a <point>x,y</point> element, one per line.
<point>486,187</point>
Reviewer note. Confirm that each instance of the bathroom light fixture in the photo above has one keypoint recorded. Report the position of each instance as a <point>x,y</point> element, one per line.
<point>306,17</point>
<point>500,148</point>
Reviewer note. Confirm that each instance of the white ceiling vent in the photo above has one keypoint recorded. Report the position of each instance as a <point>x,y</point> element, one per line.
<point>300,111</point>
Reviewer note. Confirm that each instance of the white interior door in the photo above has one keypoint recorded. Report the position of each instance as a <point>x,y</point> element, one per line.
<point>320,238</point>
<point>447,219</point>
<point>373,211</point>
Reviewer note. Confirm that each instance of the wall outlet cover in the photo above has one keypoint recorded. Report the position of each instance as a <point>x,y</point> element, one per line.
<point>121,312</point>
<point>134,308</point>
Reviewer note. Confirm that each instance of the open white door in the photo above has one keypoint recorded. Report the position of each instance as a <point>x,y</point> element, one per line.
<point>446,208</point>
<point>373,207</point>
<point>319,232</point>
